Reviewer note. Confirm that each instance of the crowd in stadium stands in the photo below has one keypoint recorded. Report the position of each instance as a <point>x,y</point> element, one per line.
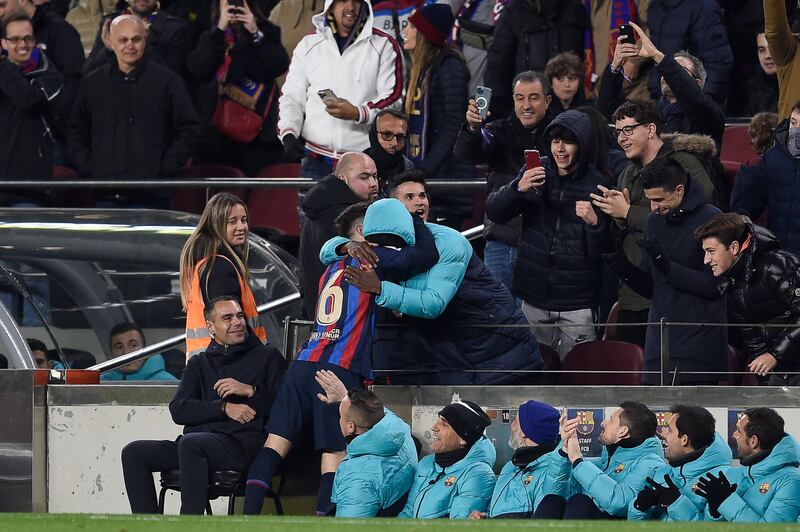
<point>600,125</point>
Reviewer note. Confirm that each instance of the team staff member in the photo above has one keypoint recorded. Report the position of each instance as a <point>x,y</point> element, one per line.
<point>693,449</point>
<point>213,264</point>
<point>340,342</point>
<point>457,478</point>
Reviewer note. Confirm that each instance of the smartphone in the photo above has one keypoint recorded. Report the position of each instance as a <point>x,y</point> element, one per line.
<point>532,159</point>
<point>483,96</point>
<point>235,3</point>
<point>628,33</point>
<point>324,94</point>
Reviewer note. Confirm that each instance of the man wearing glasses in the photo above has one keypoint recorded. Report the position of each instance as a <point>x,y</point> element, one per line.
<point>638,127</point>
<point>387,146</point>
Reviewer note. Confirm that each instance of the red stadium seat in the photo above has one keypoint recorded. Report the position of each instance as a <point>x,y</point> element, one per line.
<point>276,208</point>
<point>736,144</point>
<point>72,197</point>
<point>603,355</point>
<point>610,332</point>
<point>551,363</point>
<point>194,199</point>
<point>735,365</point>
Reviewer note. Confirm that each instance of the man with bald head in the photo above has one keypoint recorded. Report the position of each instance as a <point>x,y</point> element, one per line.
<point>354,179</point>
<point>132,119</point>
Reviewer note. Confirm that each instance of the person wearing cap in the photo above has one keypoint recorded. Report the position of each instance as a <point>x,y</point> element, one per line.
<point>533,472</point>
<point>457,478</point>
<point>606,486</point>
<point>436,102</point>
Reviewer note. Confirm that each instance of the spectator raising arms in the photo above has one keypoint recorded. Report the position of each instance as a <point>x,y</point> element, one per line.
<point>236,62</point>
<point>436,100</point>
<point>214,264</point>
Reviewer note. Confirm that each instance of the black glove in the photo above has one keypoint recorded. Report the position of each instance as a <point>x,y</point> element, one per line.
<point>649,496</point>
<point>669,494</point>
<point>293,149</point>
<point>618,262</point>
<point>657,254</point>
<point>715,490</point>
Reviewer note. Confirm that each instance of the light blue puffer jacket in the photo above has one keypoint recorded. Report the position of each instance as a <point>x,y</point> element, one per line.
<point>153,369</point>
<point>689,506</point>
<point>456,491</point>
<point>519,490</point>
<point>378,470</point>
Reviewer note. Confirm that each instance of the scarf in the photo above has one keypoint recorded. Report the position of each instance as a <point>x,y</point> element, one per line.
<point>150,18</point>
<point>31,64</point>
<point>449,458</point>
<point>245,92</point>
<point>622,11</point>
<point>387,164</point>
<point>418,121</point>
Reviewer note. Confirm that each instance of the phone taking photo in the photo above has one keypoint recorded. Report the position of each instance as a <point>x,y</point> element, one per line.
<point>483,97</point>
<point>325,94</point>
<point>532,159</point>
<point>627,31</point>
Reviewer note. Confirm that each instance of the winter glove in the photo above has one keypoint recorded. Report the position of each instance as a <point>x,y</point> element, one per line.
<point>658,257</point>
<point>668,494</point>
<point>293,148</point>
<point>648,497</point>
<point>715,490</point>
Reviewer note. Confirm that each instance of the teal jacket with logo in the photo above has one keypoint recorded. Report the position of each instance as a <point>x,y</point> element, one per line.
<point>768,491</point>
<point>153,369</point>
<point>378,470</point>
<point>455,491</point>
<point>689,506</point>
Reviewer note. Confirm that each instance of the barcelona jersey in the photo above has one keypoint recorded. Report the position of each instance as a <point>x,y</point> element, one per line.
<point>345,319</point>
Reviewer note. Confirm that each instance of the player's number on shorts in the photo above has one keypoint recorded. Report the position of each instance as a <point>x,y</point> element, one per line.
<point>329,304</point>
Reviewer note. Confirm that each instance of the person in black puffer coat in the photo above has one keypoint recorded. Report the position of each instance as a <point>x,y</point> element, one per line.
<point>527,34</point>
<point>562,235</point>
<point>436,100</point>
<point>762,284</point>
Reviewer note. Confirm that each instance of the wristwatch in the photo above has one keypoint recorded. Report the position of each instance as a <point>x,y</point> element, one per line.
<point>256,37</point>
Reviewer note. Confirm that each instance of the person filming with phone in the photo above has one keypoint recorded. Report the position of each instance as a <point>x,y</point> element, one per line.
<point>562,233</point>
<point>500,143</point>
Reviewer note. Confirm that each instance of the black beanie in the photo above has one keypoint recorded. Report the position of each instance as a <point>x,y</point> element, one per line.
<point>467,419</point>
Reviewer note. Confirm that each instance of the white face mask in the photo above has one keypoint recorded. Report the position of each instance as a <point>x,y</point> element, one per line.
<point>514,442</point>
<point>793,141</point>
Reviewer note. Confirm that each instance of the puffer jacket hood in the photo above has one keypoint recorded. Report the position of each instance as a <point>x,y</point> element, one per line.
<point>384,439</point>
<point>717,454</point>
<point>784,454</point>
<point>651,445</point>
<point>580,125</point>
<point>699,145</point>
<point>481,451</point>
<point>389,216</point>
<point>694,198</point>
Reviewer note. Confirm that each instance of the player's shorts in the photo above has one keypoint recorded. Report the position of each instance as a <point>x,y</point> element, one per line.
<point>297,409</point>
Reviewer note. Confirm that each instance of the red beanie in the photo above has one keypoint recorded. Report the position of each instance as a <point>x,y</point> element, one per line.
<point>434,22</point>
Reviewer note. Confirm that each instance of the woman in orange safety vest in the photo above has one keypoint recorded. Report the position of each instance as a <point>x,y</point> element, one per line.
<point>213,264</point>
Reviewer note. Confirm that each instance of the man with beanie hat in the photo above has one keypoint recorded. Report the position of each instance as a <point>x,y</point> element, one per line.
<point>533,471</point>
<point>457,478</point>
<point>607,485</point>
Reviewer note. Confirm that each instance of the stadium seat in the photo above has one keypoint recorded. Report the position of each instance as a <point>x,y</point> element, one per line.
<point>194,199</point>
<point>734,368</point>
<point>72,197</point>
<point>551,363</point>
<point>610,331</point>
<point>603,355</point>
<point>222,483</point>
<point>736,145</point>
<point>275,208</point>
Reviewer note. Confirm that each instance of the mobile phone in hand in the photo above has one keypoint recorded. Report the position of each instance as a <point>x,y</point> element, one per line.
<point>236,3</point>
<point>532,159</point>
<point>325,94</point>
<point>483,96</point>
<point>627,31</point>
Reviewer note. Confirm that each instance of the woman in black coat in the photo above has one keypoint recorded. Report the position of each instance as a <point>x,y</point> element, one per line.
<point>436,101</point>
<point>238,60</point>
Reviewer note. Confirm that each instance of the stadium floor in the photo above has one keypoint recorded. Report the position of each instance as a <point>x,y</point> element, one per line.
<point>127,523</point>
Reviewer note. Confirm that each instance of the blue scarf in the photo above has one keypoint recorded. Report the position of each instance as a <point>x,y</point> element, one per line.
<point>418,121</point>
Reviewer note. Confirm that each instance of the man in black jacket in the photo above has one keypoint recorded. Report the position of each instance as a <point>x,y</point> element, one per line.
<point>224,401</point>
<point>30,95</point>
<point>762,283</point>
<point>685,106</point>
<point>387,146</point>
<point>133,119</point>
<point>168,38</point>
<point>501,144</point>
<point>355,179</point>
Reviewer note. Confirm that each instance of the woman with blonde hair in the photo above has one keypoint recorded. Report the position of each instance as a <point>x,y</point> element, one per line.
<point>213,263</point>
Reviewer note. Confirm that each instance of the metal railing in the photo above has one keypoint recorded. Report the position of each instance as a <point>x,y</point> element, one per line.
<point>211,182</point>
<point>177,340</point>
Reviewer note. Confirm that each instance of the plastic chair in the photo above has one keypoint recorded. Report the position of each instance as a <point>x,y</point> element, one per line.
<point>610,332</point>
<point>736,144</point>
<point>603,355</point>
<point>222,483</point>
<point>194,199</point>
<point>551,362</point>
<point>276,208</point>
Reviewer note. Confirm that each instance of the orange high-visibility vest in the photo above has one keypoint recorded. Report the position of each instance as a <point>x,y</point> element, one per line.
<point>197,336</point>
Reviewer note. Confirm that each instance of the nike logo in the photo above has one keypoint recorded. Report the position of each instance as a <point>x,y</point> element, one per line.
<point>441,219</point>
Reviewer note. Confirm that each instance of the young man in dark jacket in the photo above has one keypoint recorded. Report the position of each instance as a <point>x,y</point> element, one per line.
<point>762,284</point>
<point>30,96</point>
<point>674,277</point>
<point>562,235</point>
<point>355,180</point>
<point>133,119</point>
<point>168,38</point>
<point>224,401</point>
<point>501,144</point>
